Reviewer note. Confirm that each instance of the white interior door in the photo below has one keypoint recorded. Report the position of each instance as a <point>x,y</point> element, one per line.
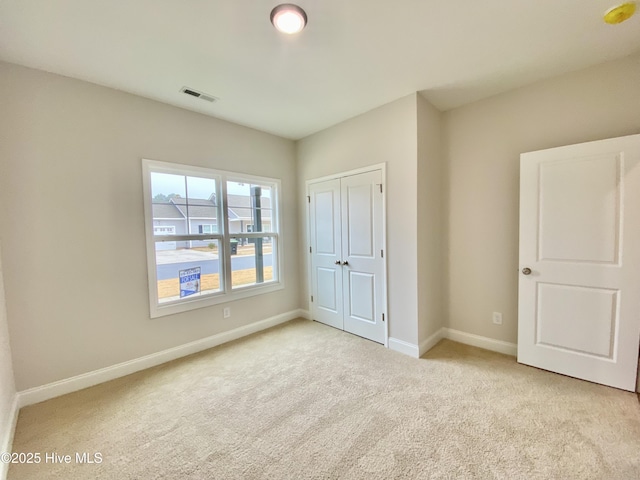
<point>363,267</point>
<point>326,253</point>
<point>347,265</point>
<point>579,288</point>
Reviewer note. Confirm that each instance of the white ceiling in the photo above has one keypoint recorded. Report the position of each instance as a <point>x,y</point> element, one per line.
<point>353,56</point>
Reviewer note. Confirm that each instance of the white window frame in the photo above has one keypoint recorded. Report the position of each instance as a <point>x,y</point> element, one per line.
<point>227,293</point>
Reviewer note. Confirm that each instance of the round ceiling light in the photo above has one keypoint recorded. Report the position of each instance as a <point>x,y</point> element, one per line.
<point>288,18</point>
<point>620,13</point>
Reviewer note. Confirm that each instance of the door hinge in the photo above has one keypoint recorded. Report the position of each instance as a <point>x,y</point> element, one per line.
<point>312,298</point>
<point>383,317</point>
<point>309,249</point>
<point>309,198</point>
<point>380,185</point>
<point>382,253</point>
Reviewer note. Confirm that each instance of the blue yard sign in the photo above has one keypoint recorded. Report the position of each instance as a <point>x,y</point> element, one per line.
<point>189,281</point>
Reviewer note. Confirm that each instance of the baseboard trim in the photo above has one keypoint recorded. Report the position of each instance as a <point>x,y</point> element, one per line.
<point>306,314</point>
<point>7,435</point>
<point>431,341</point>
<point>404,347</point>
<point>481,342</point>
<point>89,379</point>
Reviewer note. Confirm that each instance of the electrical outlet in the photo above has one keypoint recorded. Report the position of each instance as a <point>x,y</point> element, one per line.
<point>497,318</point>
<point>226,313</point>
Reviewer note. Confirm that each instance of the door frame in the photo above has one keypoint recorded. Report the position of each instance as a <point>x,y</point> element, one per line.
<point>382,167</point>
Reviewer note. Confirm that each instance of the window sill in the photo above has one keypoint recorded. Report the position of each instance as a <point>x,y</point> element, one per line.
<point>185,305</point>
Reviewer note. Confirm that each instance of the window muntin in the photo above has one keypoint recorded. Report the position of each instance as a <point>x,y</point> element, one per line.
<point>202,247</point>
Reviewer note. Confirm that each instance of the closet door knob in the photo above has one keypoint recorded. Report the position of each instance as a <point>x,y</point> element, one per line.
<point>526,271</point>
<point>338,262</point>
<point>345,263</point>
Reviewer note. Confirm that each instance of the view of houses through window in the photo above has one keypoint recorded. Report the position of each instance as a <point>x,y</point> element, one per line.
<point>207,239</point>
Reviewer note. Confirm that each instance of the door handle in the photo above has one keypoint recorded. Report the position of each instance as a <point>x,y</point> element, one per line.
<point>345,263</point>
<point>338,262</point>
<point>526,271</point>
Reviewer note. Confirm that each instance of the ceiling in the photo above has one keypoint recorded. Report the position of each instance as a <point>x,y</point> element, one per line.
<point>353,56</point>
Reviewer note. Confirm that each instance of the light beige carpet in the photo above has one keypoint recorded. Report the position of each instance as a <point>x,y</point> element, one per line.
<point>306,401</point>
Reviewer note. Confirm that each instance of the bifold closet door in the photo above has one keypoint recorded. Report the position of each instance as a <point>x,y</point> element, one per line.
<point>347,265</point>
<point>326,253</point>
<point>363,267</point>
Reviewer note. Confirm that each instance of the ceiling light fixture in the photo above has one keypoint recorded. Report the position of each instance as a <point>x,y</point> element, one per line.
<point>620,13</point>
<point>288,18</point>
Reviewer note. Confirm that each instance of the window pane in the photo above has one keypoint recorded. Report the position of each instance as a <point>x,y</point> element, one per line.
<point>252,262</point>
<point>250,208</point>
<point>165,190</point>
<point>201,206</point>
<point>183,205</point>
<point>187,269</point>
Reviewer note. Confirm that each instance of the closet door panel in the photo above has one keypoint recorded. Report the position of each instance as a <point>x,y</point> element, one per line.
<point>363,267</point>
<point>326,253</point>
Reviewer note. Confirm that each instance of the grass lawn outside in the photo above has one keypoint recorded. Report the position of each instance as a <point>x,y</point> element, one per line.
<point>171,287</point>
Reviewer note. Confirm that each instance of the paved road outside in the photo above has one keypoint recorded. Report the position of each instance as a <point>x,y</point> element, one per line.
<point>208,263</point>
<point>184,255</point>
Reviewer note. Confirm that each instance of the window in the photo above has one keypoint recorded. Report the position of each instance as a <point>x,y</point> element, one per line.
<point>212,236</point>
<point>164,230</point>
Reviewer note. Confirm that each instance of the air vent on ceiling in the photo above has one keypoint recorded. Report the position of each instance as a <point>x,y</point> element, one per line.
<point>197,94</point>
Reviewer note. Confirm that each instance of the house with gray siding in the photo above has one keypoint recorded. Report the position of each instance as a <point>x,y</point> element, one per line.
<point>180,216</point>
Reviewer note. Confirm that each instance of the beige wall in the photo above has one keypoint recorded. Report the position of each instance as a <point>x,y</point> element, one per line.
<point>432,211</point>
<point>483,143</point>
<point>7,385</point>
<point>71,217</point>
<point>386,134</point>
